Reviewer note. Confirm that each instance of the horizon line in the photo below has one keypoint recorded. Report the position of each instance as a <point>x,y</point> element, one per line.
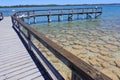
<point>59,4</point>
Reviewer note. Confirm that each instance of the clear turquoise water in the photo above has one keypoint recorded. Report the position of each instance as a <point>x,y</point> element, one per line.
<point>103,32</point>
<point>109,19</point>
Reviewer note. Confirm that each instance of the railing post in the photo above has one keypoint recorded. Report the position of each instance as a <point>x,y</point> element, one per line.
<point>19,27</point>
<point>82,10</point>
<point>29,40</point>
<point>59,18</point>
<point>100,9</point>
<point>34,17</point>
<point>12,21</point>
<point>1,16</point>
<point>74,76</point>
<point>70,17</point>
<point>49,20</point>
<point>93,10</point>
<point>87,10</point>
<point>61,11</point>
<point>72,10</point>
<point>28,14</point>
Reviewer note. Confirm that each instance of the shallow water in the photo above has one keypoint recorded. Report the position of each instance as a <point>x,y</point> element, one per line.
<point>96,41</point>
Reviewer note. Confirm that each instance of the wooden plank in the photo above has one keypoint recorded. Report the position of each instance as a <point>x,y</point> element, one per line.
<point>11,60</point>
<point>29,77</point>
<point>12,63</point>
<point>18,69</point>
<point>23,74</point>
<point>38,78</point>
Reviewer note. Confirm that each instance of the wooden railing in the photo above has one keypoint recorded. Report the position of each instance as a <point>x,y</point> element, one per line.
<point>60,11</point>
<point>80,69</point>
<point>1,16</point>
<point>89,12</point>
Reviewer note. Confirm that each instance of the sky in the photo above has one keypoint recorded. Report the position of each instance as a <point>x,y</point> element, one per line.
<point>43,2</point>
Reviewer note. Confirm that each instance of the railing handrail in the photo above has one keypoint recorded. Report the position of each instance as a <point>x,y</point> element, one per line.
<point>61,9</point>
<point>77,65</point>
<point>69,9</point>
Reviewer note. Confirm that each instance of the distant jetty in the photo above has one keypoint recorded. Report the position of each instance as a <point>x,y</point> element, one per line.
<point>87,13</point>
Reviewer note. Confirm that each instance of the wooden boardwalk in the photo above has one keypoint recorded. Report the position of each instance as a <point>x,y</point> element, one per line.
<point>15,61</point>
<point>85,13</point>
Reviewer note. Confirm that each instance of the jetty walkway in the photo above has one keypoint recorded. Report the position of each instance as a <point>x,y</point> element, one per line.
<point>15,61</point>
<point>87,13</point>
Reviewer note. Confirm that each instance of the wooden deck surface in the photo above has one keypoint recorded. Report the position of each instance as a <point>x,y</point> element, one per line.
<point>15,61</point>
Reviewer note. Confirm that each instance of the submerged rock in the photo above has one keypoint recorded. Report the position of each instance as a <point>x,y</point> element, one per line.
<point>110,74</point>
<point>117,62</point>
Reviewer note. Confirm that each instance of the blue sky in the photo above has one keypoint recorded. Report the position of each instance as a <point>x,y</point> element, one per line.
<point>40,2</point>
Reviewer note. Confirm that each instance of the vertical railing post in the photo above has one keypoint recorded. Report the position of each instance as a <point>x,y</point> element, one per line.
<point>101,9</point>
<point>28,15</point>
<point>77,10</point>
<point>29,40</point>
<point>61,11</point>
<point>76,76</point>
<point>87,10</point>
<point>92,9</point>
<point>1,16</point>
<point>34,17</point>
<point>12,21</point>
<point>48,18</point>
<point>82,10</point>
<point>19,27</point>
<point>59,18</point>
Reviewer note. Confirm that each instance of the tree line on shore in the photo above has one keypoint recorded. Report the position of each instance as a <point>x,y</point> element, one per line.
<point>50,5</point>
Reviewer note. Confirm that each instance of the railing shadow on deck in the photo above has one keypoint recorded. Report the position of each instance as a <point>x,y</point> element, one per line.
<point>80,69</point>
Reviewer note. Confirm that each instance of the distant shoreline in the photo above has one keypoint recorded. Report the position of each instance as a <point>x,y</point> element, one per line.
<point>50,5</point>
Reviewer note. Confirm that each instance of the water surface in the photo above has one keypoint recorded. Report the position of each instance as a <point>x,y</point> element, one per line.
<point>96,41</point>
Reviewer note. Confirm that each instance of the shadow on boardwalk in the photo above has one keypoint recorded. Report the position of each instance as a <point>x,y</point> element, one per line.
<point>15,61</point>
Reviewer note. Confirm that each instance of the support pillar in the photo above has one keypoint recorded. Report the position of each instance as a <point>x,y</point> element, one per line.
<point>22,19</point>
<point>49,20</point>
<point>78,16</point>
<point>28,20</point>
<point>76,76</point>
<point>70,17</point>
<point>59,19</point>
<point>34,20</point>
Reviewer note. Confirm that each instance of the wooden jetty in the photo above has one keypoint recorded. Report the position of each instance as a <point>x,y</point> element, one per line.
<point>88,12</point>
<point>1,16</point>
<point>15,61</point>
<point>80,69</point>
